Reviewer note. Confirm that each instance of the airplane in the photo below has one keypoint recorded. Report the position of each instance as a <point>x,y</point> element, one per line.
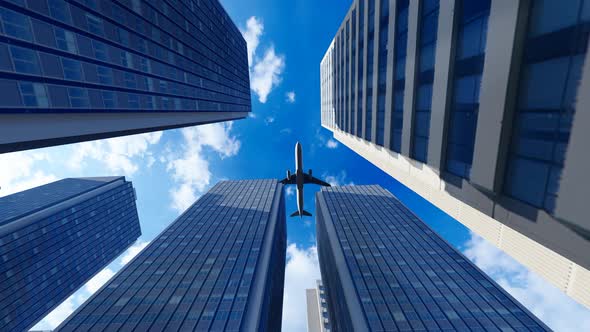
<point>300,178</point>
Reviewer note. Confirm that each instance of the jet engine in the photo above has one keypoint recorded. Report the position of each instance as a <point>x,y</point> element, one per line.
<point>309,172</point>
<point>288,174</point>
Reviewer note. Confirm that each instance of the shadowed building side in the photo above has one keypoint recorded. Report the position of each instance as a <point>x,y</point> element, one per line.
<point>56,237</point>
<point>90,70</point>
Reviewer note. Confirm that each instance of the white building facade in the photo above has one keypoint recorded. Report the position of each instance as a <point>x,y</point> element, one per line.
<point>475,106</point>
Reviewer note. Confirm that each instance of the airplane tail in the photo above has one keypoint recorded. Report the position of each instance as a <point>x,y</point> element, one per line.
<point>303,213</point>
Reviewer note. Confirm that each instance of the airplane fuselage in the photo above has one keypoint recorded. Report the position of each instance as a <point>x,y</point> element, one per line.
<point>300,177</point>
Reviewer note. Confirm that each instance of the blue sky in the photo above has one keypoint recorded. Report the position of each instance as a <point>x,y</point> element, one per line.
<point>171,169</point>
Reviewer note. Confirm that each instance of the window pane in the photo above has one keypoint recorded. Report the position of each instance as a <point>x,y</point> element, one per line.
<point>25,60</point>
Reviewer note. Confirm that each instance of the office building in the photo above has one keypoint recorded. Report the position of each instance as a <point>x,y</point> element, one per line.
<point>470,104</point>
<point>219,267</point>
<point>383,269</point>
<point>56,237</point>
<point>93,69</point>
<point>317,309</point>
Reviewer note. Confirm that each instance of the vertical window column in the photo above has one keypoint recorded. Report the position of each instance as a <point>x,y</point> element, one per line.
<point>370,53</point>
<point>347,79</point>
<point>424,79</point>
<point>353,102</point>
<point>469,60</point>
<point>382,69</point>
<point>361,59</point>
<point>401,42</point>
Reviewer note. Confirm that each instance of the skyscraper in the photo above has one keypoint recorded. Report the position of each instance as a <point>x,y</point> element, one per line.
<point>219,266</point>
<point>96,69</point>
<point>317,309</point>
<point>55,237</point>
<point>384,269</point>
<point>470,104</point>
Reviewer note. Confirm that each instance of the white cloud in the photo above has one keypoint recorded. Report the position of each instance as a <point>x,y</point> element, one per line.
<point>265,71</point>
<point>290,190</point>
<point>301,272</point>
<point>252,115</point>
<point>269,119</point>
<point>116,154</point>
<point>17,171</point>
<point>548,303</point>
<point>331,144</point>
<point>286,131</point>
<point>337,179</point>
<point>254,28</point>
<point>98,280</point>
<point>191,170</point>
<point>290,97</point>
<point>133,251</point>
<point>266,74</point>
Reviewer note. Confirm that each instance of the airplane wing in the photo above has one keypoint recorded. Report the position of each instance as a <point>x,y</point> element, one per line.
<point>310,179</point>
<point>290,180</point>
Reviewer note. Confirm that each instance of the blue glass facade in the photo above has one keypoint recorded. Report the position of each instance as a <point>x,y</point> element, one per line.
<point>136,56</point>
<point>468,67</point>
<point>54,238</point>
<point>385,270</point>
<point>382,67</point>
<point>219,266</point>
<point>161,53</point>
<point>370,52</point>
<point>424,79</point>
<point>555,47</point>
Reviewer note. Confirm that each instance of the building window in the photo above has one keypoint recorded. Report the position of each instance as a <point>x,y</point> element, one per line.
<point>72,69</point>
<point>25,60</point>
<point>424,79</point>
<point>108,98</point>
<point>33,94</point>
<point>133,100</point>
<point>469,60</point>
<point>78,97</point>
<point>145,65</point>
<point>100,50</point>
<point>151,102</point>
<point>142,45</point>
<point>16,25</point>
<point>554,52</point>
<point>105,75</point>
<point>130,80</point>
<point>59,10</point>
<point>65,40</point>
<point>123,36</point>
<point>126,59</point>
<point>94,24</point>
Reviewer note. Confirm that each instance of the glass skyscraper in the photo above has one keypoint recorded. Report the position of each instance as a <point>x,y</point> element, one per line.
<point>385,270</point>
<point>219,266</point>
<point>474,105</point>
<point>91,69</point>
<point>55,237</point>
